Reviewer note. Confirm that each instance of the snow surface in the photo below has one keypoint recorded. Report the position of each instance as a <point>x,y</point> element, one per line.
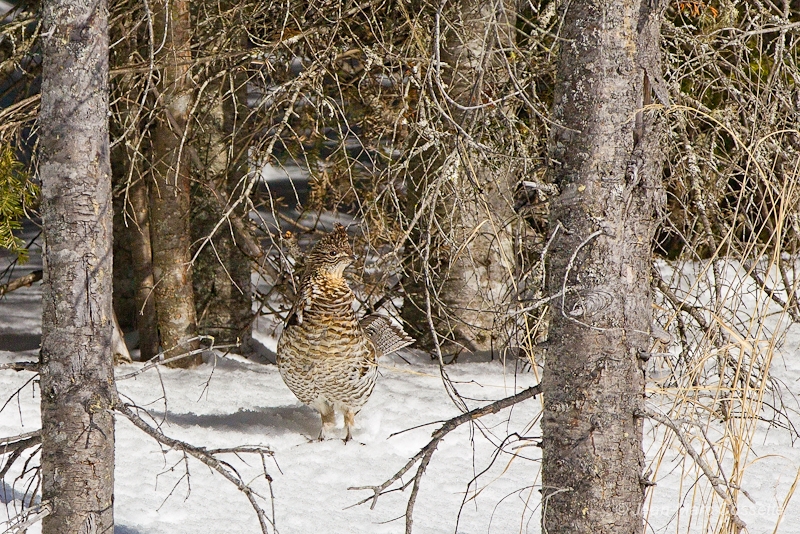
<point>235,401</point>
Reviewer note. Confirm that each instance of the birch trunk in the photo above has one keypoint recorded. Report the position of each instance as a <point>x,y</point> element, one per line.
<point>77,380</point>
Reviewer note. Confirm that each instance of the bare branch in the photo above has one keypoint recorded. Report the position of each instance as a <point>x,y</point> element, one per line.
<point>718,484</point>
<point>22,521</point>
<point>160,360</point>
<point>22,281</point>
<point>208,458</point>
<point>21,366</point>
<point>16,445</point>
<point>425,454</point>
<point>13,442</point>
<point>679,303</point>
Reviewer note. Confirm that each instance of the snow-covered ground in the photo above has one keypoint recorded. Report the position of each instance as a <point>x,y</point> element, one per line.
<point>234,401</point>
<point>240,402</point>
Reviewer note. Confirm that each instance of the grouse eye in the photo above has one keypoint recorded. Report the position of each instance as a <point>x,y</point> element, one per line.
<point>333,253</point>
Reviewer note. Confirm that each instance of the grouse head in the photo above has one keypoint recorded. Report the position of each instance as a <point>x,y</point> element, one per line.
<point>332,254</point>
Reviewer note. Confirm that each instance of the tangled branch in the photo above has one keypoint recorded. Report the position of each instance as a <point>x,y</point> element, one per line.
<point>209,458</point>
<point>426,453</point>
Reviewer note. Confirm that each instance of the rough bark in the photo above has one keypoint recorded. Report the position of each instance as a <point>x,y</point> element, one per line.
<point>134,302</point>
<point>473,260</point>
<point>169,190</point>
<point>143,281</point>
<point>606,161</point>
<point>133,265</point>
<point>76,377</point>
<point>221,274</point>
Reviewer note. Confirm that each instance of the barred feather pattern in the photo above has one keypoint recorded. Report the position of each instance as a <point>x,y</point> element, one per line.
<point>386,337</point>
<point>327,357</point>
<point>324,356</point>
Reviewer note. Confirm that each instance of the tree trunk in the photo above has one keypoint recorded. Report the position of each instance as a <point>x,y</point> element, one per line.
<point>133,254</point>
<point>472,260</point>
<point>124,289</point>
<point>142,255</point>
<point>222,271</point>
<point>606,161</point>
<point>134,303</point>
<point>169,192</point>
<point>76,378</point>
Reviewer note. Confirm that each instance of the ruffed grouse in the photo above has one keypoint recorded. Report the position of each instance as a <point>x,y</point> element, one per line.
<point>327,357</point>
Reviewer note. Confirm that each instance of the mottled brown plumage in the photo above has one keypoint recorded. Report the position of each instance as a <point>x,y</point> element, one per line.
<point>327,357</point>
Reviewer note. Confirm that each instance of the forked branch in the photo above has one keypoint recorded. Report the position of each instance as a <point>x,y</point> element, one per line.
<point>719,486</point>
<point>14,446</point>
<point>209,458</point>
<point>20,523</point>
<point>425,454</point>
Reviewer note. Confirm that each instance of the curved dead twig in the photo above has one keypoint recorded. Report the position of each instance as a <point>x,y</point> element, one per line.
<point>208,458</point>
<point>425,454</point>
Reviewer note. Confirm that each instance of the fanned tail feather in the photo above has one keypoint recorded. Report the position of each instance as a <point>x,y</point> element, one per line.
<point>387,337</point>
